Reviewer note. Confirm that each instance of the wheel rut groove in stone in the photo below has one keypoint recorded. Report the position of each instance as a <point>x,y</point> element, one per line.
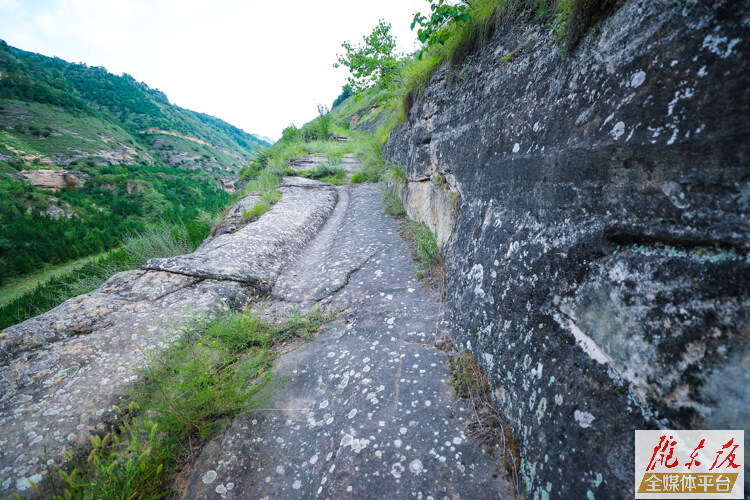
<point>367,411</point>
<point>285,230</point>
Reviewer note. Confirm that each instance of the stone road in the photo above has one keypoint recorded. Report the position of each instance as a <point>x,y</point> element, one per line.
<point>367,411</point>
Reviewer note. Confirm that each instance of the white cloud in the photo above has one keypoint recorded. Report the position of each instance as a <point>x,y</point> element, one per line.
<point>258,65</point>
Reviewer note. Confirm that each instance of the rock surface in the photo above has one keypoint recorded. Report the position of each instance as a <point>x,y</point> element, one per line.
<point>284,231</point>
<point>598,263</point>
<point>309,162</point>
<point>53,179</point>
<point>62,372</point>
<point>367,411</point>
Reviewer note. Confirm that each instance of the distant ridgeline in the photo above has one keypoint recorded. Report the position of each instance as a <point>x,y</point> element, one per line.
<point>87,157</point>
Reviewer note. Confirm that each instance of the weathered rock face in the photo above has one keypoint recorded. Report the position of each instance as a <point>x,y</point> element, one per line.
<point>296,219</point>
<point>53,179</point>
<point>598,263</point>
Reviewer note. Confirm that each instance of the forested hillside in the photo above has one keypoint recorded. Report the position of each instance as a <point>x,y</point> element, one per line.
<point>87,157</point>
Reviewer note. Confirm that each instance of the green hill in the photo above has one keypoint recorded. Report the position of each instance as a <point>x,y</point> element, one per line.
<point>87,157</point>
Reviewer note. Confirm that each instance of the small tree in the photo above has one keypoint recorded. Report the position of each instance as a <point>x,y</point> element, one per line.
<point>291,134</point>
<point>346,92</point>
<point>371,63</point>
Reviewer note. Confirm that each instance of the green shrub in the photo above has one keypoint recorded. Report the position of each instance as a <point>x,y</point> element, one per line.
<point>323,122</point>
<point>291,135</point>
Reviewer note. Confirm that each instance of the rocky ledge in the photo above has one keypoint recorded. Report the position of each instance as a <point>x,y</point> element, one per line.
<point>62,372</point>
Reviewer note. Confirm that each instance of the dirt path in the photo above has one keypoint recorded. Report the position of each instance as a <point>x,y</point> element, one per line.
<point>367,411</point>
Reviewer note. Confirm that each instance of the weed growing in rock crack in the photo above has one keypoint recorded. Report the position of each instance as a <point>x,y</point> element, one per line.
<point>396,173</point>
<point>454,197</point>
<point>272,197</point>
<point>256,210</point>
<point>486,427</point>
<point>329,172</point>
<point>425,246</point>
<point>219,368</point>
<point>392,205</point>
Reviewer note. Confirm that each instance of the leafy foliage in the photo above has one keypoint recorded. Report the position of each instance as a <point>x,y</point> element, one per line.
<point>434,30</point>
<point>107,211</point>
<point>374,62</point>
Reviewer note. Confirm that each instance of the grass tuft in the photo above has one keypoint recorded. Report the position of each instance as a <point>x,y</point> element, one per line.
<point>421,241</point>
<point>220,367</point>
<point>487,427</point>
<point>256,210</point>
<point>370,155</point>
<point>272,197</point>
<point>425,244</point>
<point>392,204</point>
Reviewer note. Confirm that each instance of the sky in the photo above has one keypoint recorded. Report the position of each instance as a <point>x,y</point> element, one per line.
<point>259,65</point>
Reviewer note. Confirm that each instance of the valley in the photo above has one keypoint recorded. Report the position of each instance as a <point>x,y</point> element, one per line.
<point>88,158</point>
